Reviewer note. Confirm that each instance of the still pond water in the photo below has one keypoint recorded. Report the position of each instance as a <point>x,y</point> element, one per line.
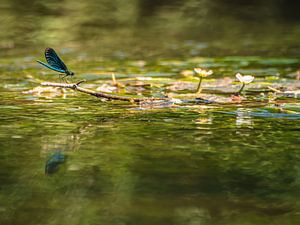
<point>69,158</point>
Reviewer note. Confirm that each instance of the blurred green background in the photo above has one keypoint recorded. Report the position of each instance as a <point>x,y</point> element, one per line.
<point>157,28</point>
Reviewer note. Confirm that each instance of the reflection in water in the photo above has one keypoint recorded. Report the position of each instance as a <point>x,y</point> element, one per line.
<point>68,141</point>
<point>137,168</point>
<point>192,215</point>
<point>243,118</point>
<point>54,161</point>
<point>204,120</point>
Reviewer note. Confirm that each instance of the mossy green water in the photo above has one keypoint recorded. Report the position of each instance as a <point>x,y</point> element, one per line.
<point>129,164</point>
<point>137,164</point>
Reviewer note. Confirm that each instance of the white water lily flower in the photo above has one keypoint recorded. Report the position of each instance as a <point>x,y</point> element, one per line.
<point>247,79</point>
<point>202,72</point>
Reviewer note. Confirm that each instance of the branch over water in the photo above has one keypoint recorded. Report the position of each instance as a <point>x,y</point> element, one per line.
<point>75,86</point>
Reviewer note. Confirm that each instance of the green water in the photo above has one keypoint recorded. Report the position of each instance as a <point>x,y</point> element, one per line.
<point>126,163</point>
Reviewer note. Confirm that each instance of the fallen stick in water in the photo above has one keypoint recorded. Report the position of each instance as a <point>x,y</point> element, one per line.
<point>99,94</point>
<point>287,94</point>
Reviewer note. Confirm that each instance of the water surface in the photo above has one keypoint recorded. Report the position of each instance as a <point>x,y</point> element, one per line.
<point>120,163</point>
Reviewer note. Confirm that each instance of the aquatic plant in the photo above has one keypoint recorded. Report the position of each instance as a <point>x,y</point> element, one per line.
<point>246,79</point>
<point>201,73</point>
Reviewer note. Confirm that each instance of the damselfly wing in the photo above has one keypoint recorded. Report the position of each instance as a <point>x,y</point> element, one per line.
<point>55,63</point>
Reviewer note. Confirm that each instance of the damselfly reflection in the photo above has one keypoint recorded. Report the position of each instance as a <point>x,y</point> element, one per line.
<point>54,161</point>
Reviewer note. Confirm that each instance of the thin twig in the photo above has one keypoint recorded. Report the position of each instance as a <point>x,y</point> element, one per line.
<point>80,82</point>
<point>99,94</point>
<point>274,89</point>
